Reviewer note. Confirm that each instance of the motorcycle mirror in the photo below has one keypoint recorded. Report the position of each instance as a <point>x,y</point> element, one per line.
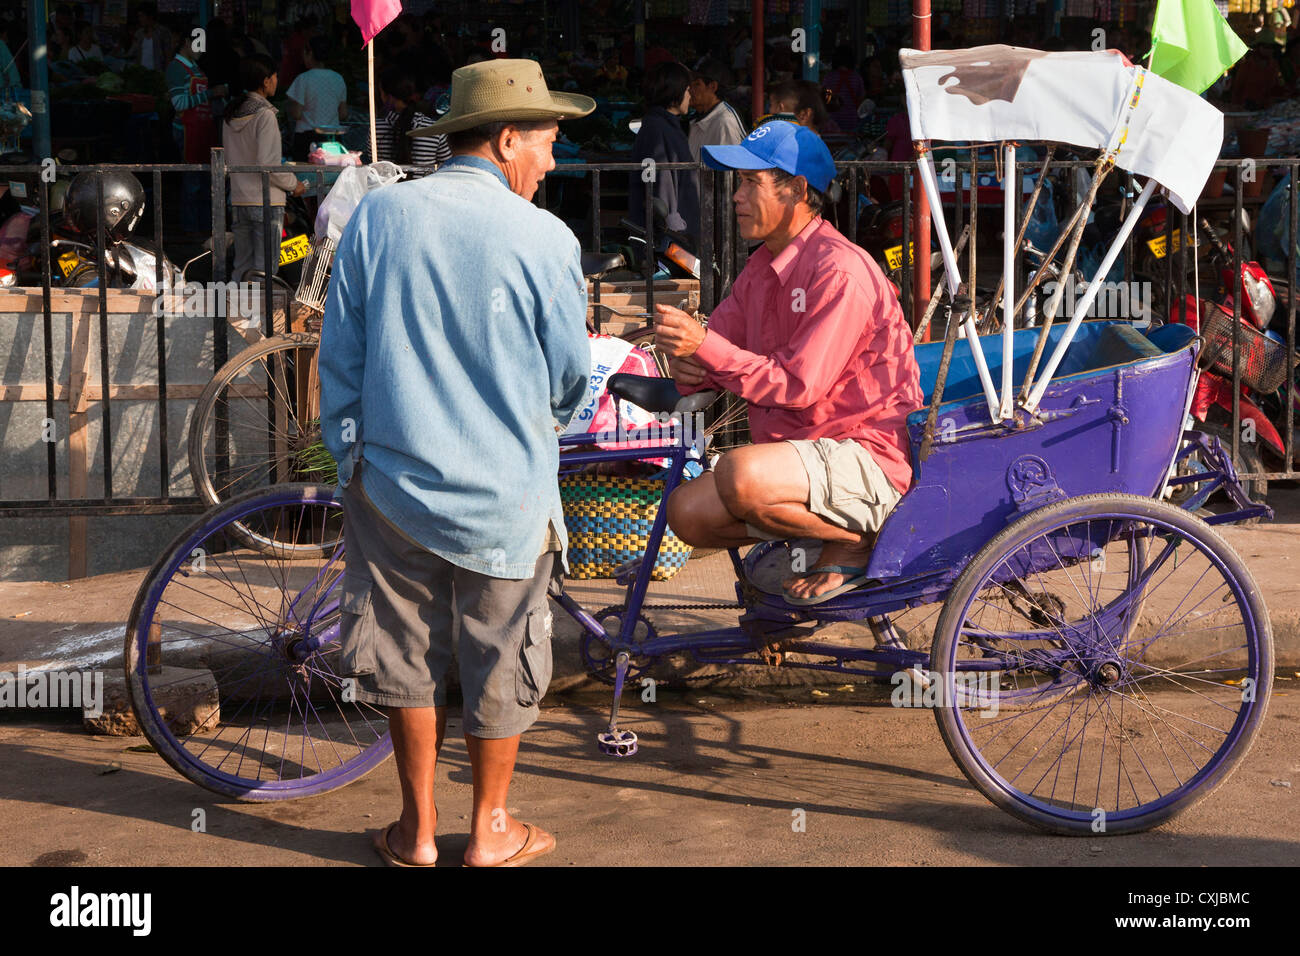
<point>205,252</point>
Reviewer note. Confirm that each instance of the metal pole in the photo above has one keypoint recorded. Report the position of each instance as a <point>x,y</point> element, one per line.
<point>812,29</point>
<point>638,33</point>
<point>756,57</point>
<point>920,207</point>
<point>40,79</point>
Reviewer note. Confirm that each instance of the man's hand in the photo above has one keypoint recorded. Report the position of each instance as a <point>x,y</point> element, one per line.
<point>687,371</point>
<point>676,333</point>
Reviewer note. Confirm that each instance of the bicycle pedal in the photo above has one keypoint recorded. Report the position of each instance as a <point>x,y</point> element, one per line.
<point>626,572</point>
<point>618,743</point>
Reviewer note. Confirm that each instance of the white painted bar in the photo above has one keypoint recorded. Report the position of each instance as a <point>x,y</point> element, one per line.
<point>1080,310</point>
<point>925,166</point>
<point>1008,275</point>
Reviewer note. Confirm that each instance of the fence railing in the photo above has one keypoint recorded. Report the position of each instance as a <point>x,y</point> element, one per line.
<point>69,461</point>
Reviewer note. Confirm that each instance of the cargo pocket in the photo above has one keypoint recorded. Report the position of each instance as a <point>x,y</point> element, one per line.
<point>845,473</point>
<point>356,627</point>
<point>533,674</point>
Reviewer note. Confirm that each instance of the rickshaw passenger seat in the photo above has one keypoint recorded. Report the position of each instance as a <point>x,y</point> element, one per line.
<point>1120,344</point>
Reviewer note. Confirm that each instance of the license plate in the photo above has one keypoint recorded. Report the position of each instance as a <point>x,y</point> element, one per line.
<point>894,255</point>
<point>67,262</point>
<point>291,250</point>
<point>1157,245</point>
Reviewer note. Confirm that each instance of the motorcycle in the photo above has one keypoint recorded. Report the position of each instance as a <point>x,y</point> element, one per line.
<point>1262,362</point>
<point>129,263</point>
<point>673,254</point>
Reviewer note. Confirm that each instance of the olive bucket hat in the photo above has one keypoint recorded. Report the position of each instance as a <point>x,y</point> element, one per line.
<point>496,90</point>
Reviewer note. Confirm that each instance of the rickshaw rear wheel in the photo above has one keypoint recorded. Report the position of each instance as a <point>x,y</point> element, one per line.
<point>1170,667</point>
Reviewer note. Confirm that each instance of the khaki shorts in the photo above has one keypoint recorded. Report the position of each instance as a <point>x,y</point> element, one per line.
<point>404,609</point>
<point>845,485</point>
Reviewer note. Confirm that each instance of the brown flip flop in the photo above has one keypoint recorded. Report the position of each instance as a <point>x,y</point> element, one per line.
<point>382,847</point>
<point>536,844</point>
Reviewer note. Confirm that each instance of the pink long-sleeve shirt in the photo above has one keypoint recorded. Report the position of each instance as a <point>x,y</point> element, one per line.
<point>815,341</point>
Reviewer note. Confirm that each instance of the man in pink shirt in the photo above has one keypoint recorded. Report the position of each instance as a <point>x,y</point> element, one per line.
<point>813,339</point>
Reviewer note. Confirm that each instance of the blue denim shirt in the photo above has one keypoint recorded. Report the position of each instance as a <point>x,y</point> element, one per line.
<point>454,340</point>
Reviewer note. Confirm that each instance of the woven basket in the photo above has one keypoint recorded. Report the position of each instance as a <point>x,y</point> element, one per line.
<point>608,520</point>
<point>1262,361</point>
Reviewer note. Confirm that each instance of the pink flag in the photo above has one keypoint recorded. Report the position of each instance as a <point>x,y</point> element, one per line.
<point>373,15</point>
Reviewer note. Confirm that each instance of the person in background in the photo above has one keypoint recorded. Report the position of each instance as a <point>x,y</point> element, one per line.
<point>61,33</point>
<point>220,62</point>
<point>667,96</point>
<point>846,88</point>
<point>85,48</point>
<point>403,116</point>
<point>291,63</point>
<point>192,129</point>
<point>802,102</point>
<point>1279,22</point>
<point>151,47</point>
<point>716,122</point>
<point>613,71</point>
<point>318,98</point>
<point>251,136</point>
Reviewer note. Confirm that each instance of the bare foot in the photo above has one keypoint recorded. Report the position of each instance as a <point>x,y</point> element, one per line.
<point>848,555</point>
<point>498,847</point>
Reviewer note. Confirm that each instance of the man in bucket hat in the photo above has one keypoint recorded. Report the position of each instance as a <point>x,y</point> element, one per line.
<point>812,337</point>
<point>453,346</point>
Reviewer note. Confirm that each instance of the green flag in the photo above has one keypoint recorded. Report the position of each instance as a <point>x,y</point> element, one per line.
<point>1191,44</point>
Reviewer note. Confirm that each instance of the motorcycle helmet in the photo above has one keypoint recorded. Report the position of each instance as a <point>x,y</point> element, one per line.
<point>123,203</point>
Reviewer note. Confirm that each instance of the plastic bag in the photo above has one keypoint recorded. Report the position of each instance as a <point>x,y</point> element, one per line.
<point>348,190</point>
<point>610,355</point>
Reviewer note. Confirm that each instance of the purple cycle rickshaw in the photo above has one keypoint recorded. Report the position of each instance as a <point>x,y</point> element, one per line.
<point>1100,658</point>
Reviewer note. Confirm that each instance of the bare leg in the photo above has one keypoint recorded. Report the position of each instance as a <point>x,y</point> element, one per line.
<point>766,486</point>
<point>494,835</point>
<point>417,734</point>
<point>697,516</point>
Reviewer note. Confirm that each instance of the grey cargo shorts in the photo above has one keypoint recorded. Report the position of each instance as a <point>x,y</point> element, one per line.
<point>404,609</point>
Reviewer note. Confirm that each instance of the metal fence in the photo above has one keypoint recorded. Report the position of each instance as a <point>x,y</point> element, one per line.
<point>722,253</point>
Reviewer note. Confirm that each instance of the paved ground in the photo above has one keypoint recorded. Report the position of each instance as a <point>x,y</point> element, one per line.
<point>717,782</point>
<point>721,772</point>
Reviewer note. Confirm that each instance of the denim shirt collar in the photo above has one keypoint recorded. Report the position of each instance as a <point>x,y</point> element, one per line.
<point>477,162</point>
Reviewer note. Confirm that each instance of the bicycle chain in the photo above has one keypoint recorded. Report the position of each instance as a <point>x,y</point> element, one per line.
<point>692,607</point>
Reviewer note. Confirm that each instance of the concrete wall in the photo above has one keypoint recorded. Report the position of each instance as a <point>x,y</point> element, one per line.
<point>37,548</point>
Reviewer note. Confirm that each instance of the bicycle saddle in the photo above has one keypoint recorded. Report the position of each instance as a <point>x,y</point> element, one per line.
<point>598,263</point>
<point>656,394</point>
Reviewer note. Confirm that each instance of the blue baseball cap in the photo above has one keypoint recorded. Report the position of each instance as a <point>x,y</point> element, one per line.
<point>779,144</point>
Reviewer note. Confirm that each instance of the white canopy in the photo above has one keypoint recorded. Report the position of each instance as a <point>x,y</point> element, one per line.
<point>1093,100</point>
